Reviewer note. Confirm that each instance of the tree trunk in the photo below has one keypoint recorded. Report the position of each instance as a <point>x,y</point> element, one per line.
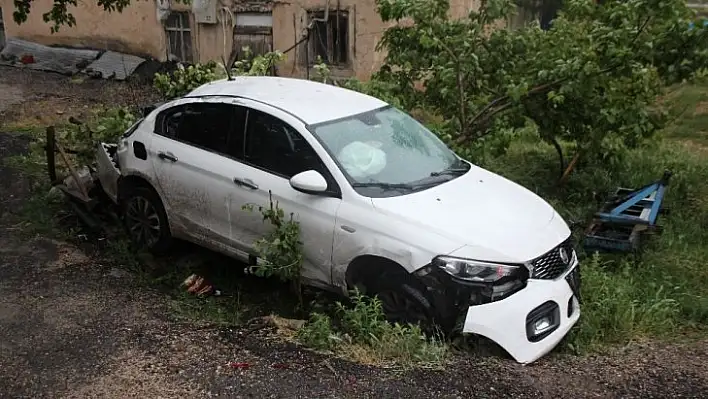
<point>571,166</point>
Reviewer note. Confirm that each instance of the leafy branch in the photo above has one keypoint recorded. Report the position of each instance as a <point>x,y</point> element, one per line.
<point>281,249</point>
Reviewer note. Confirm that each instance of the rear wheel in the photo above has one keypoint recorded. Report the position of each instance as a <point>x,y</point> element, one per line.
<point>145,219</point>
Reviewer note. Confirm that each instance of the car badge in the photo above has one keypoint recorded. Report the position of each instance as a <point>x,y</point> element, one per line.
<point>563,253</point>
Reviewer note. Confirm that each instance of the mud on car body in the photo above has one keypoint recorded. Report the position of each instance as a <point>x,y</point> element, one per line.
<point>383,205</point>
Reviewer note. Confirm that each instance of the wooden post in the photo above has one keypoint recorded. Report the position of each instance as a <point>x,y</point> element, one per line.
<point>50,148</point>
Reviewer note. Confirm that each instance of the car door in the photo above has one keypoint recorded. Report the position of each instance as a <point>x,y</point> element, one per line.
<point>274,152</point>
<point>191,150</point>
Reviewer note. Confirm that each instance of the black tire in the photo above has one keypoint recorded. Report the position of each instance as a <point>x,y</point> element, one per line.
<point>145,219</point>
<point>403,299</point>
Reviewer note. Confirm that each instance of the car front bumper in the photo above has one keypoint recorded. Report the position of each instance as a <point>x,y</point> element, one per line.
<point>511,322</point>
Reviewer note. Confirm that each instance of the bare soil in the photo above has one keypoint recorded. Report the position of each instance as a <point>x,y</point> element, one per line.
<point>73,326</point>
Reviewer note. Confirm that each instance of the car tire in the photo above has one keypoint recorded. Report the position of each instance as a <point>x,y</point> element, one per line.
<point>403,300</point>
<point>145,220</point>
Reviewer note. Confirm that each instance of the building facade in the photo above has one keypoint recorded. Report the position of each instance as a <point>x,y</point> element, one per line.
<point>344,32</point>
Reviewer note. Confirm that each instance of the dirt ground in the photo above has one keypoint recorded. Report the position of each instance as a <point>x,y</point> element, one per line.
<point>71,326</point>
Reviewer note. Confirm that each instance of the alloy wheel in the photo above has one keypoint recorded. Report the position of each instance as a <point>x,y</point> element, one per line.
<point>142,221</point>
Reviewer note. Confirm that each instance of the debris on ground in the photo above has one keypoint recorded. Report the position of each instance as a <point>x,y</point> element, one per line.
<point>199,286</point>
<point>113,65</point>
<point>44,58</point>
<point>239,365</point>
<point>286,327</point>
<point>69,61</point>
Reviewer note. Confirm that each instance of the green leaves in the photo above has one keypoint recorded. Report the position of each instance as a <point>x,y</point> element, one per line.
<point>281,249</point>
<point>106,125</point>
<point>594,74</point>
<point>185,79</point>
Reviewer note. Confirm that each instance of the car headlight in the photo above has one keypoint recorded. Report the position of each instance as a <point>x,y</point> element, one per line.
<point>478,271</point>
<point>495,281</point>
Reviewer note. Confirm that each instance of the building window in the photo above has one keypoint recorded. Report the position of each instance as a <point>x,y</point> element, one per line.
<point>179,37</point>
<point>329,39</point>
<point>543,11</point>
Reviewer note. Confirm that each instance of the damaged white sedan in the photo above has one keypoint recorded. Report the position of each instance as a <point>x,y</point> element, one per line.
<point>382,203</point>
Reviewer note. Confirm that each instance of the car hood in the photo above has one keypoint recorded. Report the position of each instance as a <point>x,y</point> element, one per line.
<point>492,218</point>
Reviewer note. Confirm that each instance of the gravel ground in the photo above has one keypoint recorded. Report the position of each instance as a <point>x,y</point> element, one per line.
<point>73,327</point>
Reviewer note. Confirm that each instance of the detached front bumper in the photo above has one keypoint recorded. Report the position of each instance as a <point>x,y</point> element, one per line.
<point>531,322</point>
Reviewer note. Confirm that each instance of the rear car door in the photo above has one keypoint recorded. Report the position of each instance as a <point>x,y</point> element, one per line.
<point>274,152</point>
<point>190,151</point>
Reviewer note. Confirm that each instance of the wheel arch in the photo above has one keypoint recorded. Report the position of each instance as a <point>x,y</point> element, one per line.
<point>368,266</point>
<point>125,183</point>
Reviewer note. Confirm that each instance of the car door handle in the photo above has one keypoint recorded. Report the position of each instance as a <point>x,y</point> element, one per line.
<point>167,156</point>
<point>248,183</point>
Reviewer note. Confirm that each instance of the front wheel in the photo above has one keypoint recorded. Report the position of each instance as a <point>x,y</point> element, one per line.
<point>403,301</point>
<point>145,220</point>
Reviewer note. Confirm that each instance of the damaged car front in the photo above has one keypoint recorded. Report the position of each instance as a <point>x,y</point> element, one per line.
<point>494,258</point>
<point>514,278</point>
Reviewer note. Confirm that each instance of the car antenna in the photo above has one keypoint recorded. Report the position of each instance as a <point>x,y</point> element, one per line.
<point>227,69</point>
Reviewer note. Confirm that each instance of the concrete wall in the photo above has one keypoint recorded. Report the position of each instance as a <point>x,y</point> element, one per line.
<point>136,30</point>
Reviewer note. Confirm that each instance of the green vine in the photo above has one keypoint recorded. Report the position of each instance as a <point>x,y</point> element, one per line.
<point>280,251</point>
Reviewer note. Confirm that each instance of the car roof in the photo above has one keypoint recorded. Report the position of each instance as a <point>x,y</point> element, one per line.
<point>312,102</point>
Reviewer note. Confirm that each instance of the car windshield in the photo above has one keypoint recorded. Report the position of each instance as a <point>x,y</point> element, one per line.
<point>386,150</point>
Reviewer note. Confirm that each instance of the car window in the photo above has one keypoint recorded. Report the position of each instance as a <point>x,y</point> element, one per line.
<point>386,147</point>
<point>273,145</point>
<point>211,126</point>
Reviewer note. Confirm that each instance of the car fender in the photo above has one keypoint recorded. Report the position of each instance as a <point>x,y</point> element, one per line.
<point>360,230</point>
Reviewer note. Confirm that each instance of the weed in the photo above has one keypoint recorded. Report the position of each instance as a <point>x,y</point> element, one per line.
<point>364,335</point>
<point>318,333</point>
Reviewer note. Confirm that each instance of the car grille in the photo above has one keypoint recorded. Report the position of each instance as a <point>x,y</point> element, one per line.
<point>550,266</point>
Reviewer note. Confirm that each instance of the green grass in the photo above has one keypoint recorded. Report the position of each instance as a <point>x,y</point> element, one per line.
<point>663,291</point>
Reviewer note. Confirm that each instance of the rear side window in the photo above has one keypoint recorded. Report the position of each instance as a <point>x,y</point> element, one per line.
<point>216,127</point>
<point>132,128</point>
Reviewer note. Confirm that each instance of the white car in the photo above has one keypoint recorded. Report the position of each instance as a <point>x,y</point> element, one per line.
<point>382,204</point>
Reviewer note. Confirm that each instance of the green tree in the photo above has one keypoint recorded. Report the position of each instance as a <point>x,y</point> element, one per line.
<point>589,79</point>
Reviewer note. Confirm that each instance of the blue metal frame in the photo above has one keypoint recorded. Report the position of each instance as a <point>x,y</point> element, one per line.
<point>616,226</point>
<point>639,197</point>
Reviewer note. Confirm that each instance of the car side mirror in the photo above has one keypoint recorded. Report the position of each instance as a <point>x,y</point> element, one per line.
<point>309,182</point>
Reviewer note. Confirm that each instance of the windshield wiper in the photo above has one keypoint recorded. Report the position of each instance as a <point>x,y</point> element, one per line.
<point>458,167</point>
<point>384,186</point>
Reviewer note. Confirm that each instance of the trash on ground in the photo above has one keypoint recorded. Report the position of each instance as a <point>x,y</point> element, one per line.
<point>239,365</point>
<point>199,286</point>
